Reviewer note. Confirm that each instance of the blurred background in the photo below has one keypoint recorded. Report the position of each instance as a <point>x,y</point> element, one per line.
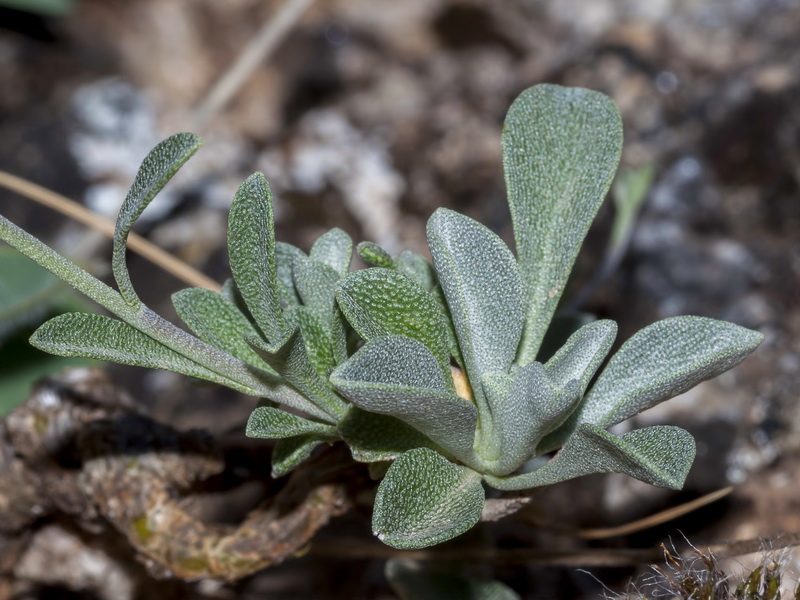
<point>369,114</point>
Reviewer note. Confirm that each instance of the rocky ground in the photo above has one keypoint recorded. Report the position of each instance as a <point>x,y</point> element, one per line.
<point>368,116</point>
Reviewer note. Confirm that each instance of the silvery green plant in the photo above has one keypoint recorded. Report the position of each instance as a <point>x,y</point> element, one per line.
<point>430,369</point>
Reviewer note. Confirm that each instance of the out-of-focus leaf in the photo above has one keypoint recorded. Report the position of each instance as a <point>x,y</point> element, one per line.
<point>290,452</point>
<point>45,8</point>
<point>27,292</point>
<point>335,249</point>
<point>414,580</point>
<point>628,192</point>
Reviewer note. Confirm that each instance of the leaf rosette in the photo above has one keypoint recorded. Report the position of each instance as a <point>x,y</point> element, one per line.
<point>437,367</point>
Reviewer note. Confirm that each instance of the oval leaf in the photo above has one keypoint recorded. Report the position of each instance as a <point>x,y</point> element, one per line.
<point>425,500</point>
<point>372,254</point>
<point>335,249</point>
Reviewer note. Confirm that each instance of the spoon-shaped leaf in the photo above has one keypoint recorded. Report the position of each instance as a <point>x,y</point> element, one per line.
<point>157,169</point>
<point>660,455</point>
<point>425,500</point>
<point>479,277</point>
<point>561,147</point>
<point>251,248</point>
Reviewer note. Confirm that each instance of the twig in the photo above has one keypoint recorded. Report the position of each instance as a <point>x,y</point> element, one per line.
<point>638,525</point>
<point>260,47</point>
<point>81,214</point>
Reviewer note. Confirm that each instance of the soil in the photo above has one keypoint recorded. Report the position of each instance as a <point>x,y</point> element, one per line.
<point>368,116</point>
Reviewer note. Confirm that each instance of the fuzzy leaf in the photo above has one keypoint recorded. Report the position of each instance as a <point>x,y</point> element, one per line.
<point>425,500</point>
<point>561,147</point>
<point>62,267</point>
<point>372,437</point>
<point>374,255</point>
<point>479,277</point>
<point>274,423</point>
<point>144,319</point>
<point>452,339</point>
<point>251,248</point>
<point>285,255</point>
<point>399,376</point>
<point>414,580</point>
<point>582,354</point>
<point>335,249</point>
<point>379,302</point>
<point>317,336</point>
<point>217,321</point>
<point>660,455</point>
<point>103,338</point>
<point>157,169</point>
<point>290,452</point>
<point>523,412</point>
<point>661,361</point>
<point>415,267</point>
<point>292,362</point>
<point>316,284</point>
